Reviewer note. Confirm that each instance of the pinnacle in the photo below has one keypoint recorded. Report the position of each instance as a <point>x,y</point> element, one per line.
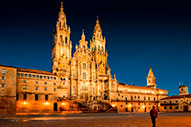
<point>150,74</point>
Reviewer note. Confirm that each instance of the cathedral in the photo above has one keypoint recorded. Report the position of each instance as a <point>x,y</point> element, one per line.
<point>86,74</point>
<point>78,82</point>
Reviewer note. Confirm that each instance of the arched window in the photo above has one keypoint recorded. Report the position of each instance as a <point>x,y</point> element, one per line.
<point>61,38</point>
<point>84,65</point>
<point>84,75</point>
<point>66,40</point>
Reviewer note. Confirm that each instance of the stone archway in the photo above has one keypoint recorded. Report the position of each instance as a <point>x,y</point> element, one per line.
<point>55,107</point>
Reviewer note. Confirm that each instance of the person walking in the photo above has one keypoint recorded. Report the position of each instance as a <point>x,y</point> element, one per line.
<point>153,114</point>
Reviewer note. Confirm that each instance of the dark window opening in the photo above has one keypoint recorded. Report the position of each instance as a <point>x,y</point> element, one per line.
<point>36,97</point>
<point>24,96</point>
<point>46,97</point>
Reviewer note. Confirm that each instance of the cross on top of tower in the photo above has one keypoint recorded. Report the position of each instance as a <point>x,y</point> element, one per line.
<point>61,8</point>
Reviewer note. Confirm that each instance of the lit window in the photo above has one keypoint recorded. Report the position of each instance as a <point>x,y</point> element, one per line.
<point>18,74</point>
<point>2,86</point>
<point>54,89</point>
<point>3,78</point>
<point>73,75</point>
<point>24,81</point>
<point>3,71</point>
<point>98,47</point>
<point>2,92</point>
<point>24,87</point>
<point>84,65</point>
<point>84,75</point>
<point>45,83</point>
<point>36,88</point>
<point>45,89</point>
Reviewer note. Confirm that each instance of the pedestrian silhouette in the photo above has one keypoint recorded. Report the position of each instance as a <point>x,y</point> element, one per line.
<point>153,114</point>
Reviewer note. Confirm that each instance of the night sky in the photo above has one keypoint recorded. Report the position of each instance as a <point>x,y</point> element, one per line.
<point>140,34</point>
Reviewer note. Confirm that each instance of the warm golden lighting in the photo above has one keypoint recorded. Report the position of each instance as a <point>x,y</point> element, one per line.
<point>63,103</point>
<point>113,105</point>
<point>46,103</point>
<point>24,103</point>
<point>129,105</point>
<point>143,106</point>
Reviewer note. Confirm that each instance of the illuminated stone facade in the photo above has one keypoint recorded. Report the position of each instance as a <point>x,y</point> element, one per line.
<point>179,103</point>
<point>132,98</point>
<point>86,74</point>
<point>83,78</point>
<point>7,90</point>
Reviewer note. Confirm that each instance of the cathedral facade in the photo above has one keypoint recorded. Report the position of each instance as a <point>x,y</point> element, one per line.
<point>86,74</point>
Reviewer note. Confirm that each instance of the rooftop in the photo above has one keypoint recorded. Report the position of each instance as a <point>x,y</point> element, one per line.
<point>29,70</point>
<point>177,97</point>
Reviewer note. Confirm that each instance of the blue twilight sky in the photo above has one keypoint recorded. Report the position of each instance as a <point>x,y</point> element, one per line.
<point>140,34</point>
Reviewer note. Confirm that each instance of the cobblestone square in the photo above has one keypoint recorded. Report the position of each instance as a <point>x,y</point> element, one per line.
<point>97,120</point>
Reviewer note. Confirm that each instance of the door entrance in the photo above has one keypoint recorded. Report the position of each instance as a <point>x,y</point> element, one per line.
<point>185,108</point>
<point>55,106</point>
<point>145,109</point>
<point>126,109</point>
<point>131,109</point>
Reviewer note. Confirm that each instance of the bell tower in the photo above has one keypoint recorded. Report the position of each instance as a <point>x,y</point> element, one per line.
<point>97,47</point>
<point>151,79</point>
<point>61,49</point>
<point>183,90</point>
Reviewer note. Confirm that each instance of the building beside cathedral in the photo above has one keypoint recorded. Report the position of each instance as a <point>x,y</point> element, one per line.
<point>81,80</point>
<point>178,103</point>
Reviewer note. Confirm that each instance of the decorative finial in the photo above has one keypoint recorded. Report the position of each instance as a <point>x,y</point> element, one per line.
<point>82,31</point>
<point>62,8</point>
<point>83,36</point>
<point>97,20</point>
